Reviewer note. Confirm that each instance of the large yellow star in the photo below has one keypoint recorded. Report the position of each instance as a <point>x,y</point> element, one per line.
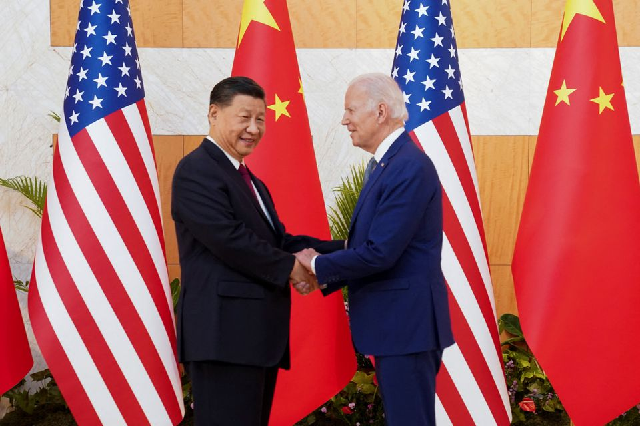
<point>563,93</point>
<point>280,108</point>
<point>255,10</point>
<point>603,101</point>
<point>582,7</point>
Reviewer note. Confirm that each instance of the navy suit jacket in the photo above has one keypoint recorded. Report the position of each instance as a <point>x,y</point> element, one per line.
<point>397,294</point>
<point>235,299</point>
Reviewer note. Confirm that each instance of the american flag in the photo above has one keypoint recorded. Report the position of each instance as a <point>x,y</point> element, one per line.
<point>471,385</point>
<point>99,301</point>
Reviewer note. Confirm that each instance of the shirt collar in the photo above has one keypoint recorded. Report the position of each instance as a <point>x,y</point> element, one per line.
<point>235,162</point>
<point>386,144</point>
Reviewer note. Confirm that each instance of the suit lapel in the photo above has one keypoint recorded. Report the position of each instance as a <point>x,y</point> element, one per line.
<point>268,203</point>
<point>377,172</point>
<point>236,178</point>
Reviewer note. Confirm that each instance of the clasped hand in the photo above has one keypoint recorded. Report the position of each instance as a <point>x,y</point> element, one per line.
<point>302,276</point>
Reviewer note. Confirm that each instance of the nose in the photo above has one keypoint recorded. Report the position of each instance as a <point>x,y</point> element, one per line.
<point>253,127</point>
<point>345,120</point>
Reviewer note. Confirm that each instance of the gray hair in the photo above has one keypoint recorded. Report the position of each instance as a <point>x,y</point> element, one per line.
<point>383,89</point>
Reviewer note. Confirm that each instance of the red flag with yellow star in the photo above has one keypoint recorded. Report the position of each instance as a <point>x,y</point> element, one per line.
<point>322,356</point>
<point>576,265</point>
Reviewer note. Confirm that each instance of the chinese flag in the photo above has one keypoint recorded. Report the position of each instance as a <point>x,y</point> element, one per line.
<point>322,355</point>
<point>15,355</point>
<point>576,265</point>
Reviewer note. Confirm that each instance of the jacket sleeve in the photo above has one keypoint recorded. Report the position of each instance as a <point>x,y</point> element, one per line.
<point>201,203</point>
<point>296,243</point>
<point>405,195</point>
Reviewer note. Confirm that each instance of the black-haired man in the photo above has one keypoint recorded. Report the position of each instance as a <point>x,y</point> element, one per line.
<point>234,307</point>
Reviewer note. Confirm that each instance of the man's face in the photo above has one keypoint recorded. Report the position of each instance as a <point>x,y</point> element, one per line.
<point>238,127</point>
<point>360,119</point>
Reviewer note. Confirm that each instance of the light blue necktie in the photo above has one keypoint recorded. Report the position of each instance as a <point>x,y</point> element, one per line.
<point>371,166</point>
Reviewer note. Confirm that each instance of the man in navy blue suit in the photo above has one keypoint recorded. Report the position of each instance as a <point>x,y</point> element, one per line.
<point>398,304</point>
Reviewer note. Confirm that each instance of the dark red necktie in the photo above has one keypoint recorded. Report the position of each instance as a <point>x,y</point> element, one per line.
<point>247,179</point>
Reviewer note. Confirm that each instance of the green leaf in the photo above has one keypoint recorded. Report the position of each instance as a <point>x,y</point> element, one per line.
<point>175,291</point>
<point>41,375</point>
<point>510,323</point>
<point>55,116</point>
<point>33,189</point>
<point>361,378</point>
<point>21,286</point>
<point>518,415</point>
<point>368,389</point>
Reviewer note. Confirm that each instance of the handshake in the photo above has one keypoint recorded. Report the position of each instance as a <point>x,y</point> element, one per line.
<point>302,277</point>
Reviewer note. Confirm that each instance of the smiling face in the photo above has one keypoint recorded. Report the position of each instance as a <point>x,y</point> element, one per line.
<point>239,126</point>
<point>362,121</point>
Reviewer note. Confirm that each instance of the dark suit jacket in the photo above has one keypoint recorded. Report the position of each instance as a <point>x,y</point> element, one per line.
<point>235,299</point>
<point>397,293</point>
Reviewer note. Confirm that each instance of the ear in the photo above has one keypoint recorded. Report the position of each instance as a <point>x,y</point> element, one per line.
<point>213,113</point>
<point>382,112</point>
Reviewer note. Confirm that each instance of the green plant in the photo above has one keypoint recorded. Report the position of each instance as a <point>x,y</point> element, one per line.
<point>33,189</point>
<point>347,194</point>
<point>530,392</point>
<point>358,403</point>
<point>48,393</point>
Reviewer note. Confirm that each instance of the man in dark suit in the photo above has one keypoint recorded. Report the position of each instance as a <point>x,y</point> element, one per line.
<point>234,308</point>
<point>398,304</point>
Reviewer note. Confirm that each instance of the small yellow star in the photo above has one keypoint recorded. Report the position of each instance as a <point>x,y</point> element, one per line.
<point>582,7</point>
<point>280,108</point>
<point>300,90</point>
<point>603,101</point>
<point>255,10</point>
<point>563,93</point>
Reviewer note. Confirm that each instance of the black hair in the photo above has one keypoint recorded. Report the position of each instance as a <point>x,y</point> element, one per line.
<point>223,93</point>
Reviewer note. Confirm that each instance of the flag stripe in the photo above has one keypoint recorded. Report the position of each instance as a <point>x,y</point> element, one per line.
<point>467,386</point>
<point>461,124</point>
<point>136,116</point>
<point>132,200</point>
<point>131,156</point>
<point>110,198</point>
<point>116,294</point>
<point>52,349</point>
<point>124,125</point>
<point>79,358</point>
<point>488,381</point>
<point>452,402</point>
<point>453,143</point>
<point>87,316</point>
<point>442,418</point>
<point>120,259</point>
<point>139,123</point>
<point>455,192</point>
<point>470,309</point>
<point>464,257</point>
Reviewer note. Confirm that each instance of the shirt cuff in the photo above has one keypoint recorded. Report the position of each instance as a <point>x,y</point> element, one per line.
<point>313,265</point>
